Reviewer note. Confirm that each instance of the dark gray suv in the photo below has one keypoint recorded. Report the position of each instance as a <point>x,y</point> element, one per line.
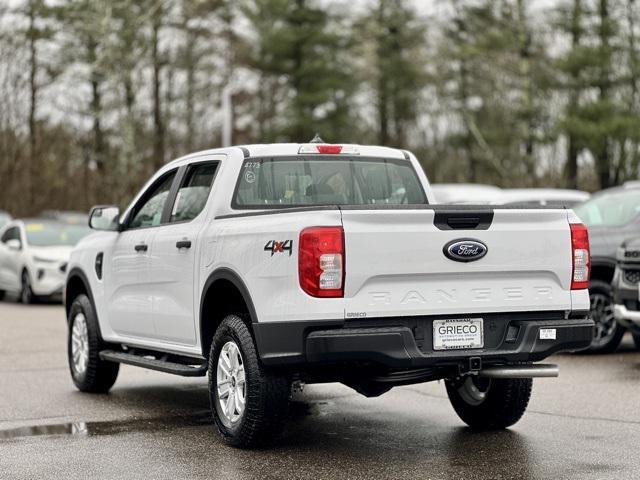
<point>612,216</point>
<point>626,288</point>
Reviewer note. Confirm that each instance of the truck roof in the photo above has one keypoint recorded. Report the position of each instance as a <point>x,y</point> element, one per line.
<point>273,149</point>
<point>290,149</point>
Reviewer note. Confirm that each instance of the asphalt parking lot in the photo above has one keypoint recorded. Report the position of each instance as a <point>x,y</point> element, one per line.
<point>584,425</point>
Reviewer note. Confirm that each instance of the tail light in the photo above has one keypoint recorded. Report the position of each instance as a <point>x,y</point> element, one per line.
<point>581,257</point>
<point>321,261</point>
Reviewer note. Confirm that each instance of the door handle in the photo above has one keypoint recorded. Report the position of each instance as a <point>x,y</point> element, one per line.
<point>141,247</point>
<point>183,244</point>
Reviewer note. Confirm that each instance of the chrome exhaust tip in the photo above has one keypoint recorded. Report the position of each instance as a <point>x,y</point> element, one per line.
<point>540,370</point>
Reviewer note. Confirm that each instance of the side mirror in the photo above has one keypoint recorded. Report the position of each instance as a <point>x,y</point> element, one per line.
<point>14,244</point>
<point>105,218</point>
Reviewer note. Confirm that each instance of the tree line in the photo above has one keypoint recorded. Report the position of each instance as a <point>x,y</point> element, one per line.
<point>96,95</point>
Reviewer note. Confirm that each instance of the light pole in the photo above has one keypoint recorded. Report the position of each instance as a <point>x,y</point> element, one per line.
<point>227,116</point>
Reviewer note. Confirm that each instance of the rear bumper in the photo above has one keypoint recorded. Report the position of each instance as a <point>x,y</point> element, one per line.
<point>406,342</point>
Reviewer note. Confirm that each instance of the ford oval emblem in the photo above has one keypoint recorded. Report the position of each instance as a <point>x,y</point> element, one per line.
<point>465,250</point>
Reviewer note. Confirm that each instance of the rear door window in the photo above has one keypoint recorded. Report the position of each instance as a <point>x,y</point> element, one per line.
<point>194,192</point>
<point>307,181</point>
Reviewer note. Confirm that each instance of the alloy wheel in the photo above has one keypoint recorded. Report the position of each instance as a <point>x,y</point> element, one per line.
<point>231,383</point>
<point>602,315</point>
<point>80,344</point>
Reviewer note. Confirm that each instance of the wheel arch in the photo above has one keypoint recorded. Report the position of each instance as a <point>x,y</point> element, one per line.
<point>77,283</point>
<point>223,293</point>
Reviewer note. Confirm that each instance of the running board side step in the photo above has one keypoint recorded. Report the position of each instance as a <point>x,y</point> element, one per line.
<point>540,370</point>
<point>160,365</point>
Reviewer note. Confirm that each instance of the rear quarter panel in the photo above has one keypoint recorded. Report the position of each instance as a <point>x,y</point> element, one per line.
<point>241,244</point>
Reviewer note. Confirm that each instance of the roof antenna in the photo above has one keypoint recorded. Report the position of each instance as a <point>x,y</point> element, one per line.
<point>317,139</point>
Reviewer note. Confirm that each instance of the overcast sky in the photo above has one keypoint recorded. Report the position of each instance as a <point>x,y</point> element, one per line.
<point>436,7</point>
<point>432,5</point>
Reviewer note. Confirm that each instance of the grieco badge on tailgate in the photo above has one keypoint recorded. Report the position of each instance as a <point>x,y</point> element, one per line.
<point>465,250</point>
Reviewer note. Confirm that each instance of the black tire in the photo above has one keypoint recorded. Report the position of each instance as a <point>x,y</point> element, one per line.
<point>2,293</point>
<point>607,333</point>
<point>266,393</point>
<point>98,376</point>
<point>26,293</point>
<point>503,404</point>
<point>636,340</point>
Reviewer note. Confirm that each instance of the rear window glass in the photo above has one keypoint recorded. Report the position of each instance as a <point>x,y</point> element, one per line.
<point>304,181</point>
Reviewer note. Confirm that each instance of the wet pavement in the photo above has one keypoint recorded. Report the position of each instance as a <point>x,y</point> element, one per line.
<point>583,425</point>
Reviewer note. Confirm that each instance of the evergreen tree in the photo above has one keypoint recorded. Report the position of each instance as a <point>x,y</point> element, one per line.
<point>470,83</point>
<point>300,44</point>
<point>84,29</point>
<point>36,35</point>
<point>598,118</point>
<point>124,54</point>
<point>570,67</point>
<point>203,25</point>
<point>395,68</point>
<point>493,78</point>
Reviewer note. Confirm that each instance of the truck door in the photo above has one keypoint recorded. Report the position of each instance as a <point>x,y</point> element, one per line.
<point>128,290</point>
<point>172,276</point>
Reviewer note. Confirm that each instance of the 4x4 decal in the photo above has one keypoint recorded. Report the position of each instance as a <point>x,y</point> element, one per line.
<point>274,246</point>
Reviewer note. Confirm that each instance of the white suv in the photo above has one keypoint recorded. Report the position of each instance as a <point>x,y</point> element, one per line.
<point>266,265</point>
<point>33,257</point>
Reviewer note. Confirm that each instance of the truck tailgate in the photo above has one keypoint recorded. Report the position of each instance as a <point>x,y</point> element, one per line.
<point>395,263</point>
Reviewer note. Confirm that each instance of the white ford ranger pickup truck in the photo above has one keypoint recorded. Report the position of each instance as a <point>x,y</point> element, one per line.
<point>269,266</point>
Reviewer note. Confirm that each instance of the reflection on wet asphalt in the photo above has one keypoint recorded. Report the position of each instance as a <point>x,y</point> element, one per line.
<point>107,428</point>
<point>115,427</point>
<point>75,428</point>
<point>584,425</point>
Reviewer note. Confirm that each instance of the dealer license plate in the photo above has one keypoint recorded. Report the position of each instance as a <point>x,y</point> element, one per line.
<point>458,333</point>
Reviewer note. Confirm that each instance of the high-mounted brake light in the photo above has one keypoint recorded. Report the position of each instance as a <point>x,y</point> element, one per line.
<point>321,261</point>
<point>328,149</point>
<point>581,257</point>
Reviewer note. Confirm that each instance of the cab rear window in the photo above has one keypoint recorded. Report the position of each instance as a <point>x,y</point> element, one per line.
<point>305,181</point>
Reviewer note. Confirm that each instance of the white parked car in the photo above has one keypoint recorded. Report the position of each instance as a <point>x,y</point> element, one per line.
<point>66,216</point>
<point>553,197</point>
<point>465,193</point>
<point>265,266</point>
<point>34,255</point>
